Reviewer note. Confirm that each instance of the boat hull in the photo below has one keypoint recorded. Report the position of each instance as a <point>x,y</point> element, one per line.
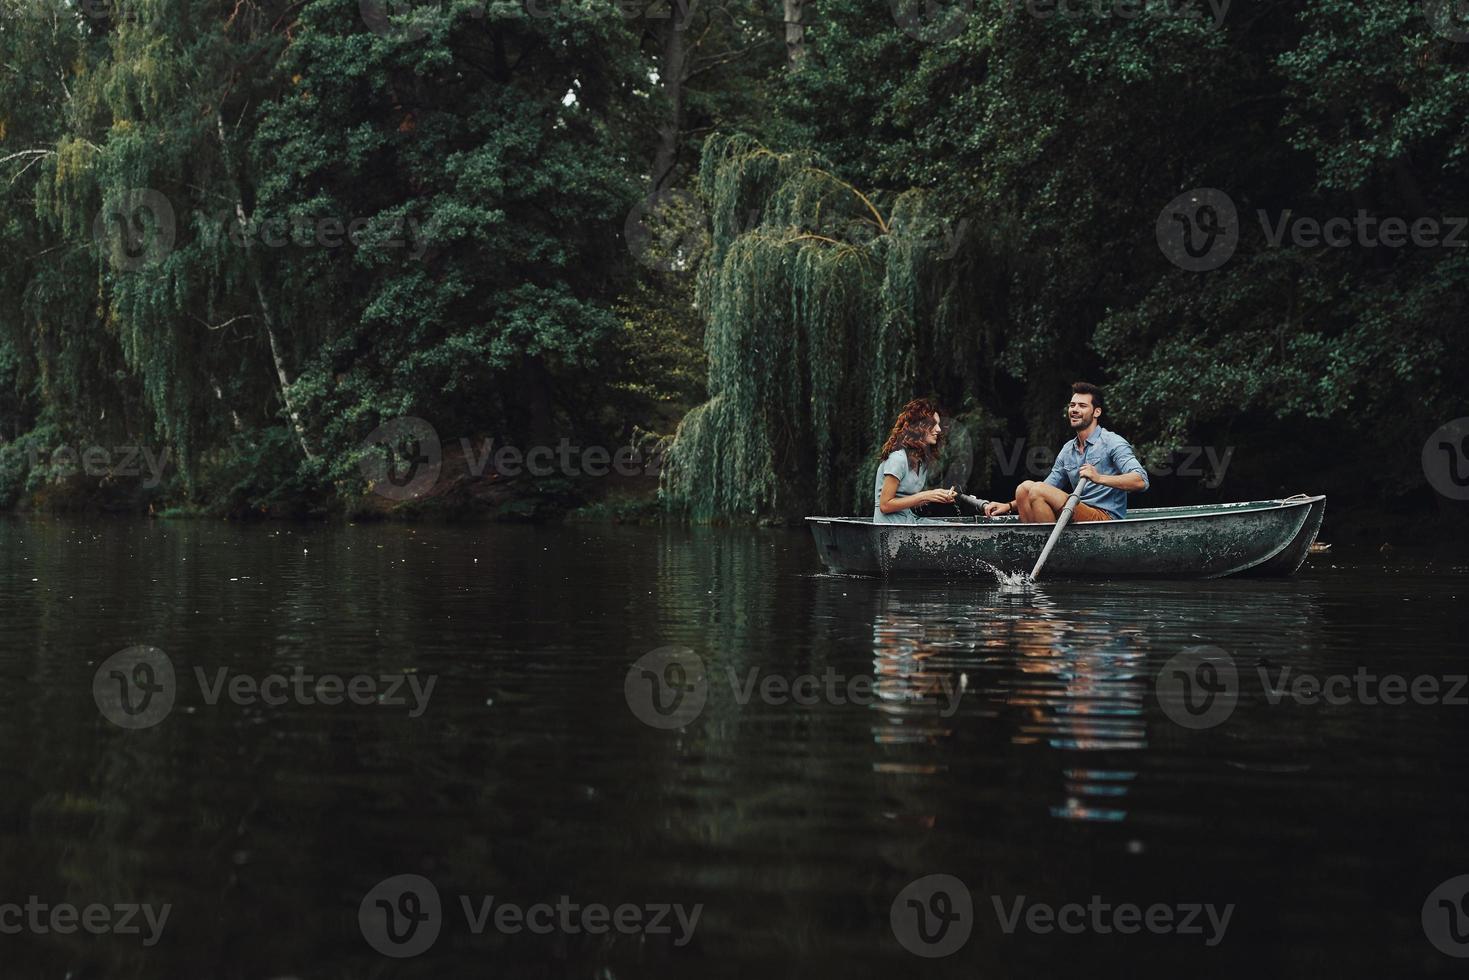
<point>1268,538</point>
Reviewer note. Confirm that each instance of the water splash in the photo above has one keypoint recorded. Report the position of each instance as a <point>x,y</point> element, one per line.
<point>1009,582</point>
<point>1014,581</point>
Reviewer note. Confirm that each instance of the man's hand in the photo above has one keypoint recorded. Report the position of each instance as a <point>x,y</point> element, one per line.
<point>995,509</point>
<point>1131,482</point>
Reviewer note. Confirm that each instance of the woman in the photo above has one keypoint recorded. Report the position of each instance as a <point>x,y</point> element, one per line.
<point>911,449</point>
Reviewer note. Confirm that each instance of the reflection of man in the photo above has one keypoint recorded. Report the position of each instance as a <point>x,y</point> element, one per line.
<point>1104,458</point>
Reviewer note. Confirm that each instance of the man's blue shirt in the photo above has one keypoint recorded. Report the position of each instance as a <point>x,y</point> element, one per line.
<point>1112,455</point>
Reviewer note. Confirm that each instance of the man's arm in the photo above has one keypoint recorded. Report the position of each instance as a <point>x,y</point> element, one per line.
<point>1131,482</point>
<point>1058,476</point>
<point>1133,477</point>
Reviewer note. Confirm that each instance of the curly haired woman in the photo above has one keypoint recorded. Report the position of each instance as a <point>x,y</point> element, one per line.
<point>911,449</point>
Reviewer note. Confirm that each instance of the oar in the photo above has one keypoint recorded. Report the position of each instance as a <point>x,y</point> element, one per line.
<point>1062,519</point>
<point>975,505</point>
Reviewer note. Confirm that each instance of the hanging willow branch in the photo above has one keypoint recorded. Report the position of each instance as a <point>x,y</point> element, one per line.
<point>809,353</point>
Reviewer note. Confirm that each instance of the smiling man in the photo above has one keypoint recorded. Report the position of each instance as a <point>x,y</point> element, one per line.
<point>1104,458</point>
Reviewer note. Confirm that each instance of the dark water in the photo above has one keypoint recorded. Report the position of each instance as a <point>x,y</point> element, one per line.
<point>1015,742</point>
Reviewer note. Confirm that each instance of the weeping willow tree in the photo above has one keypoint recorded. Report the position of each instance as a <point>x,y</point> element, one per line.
<point>190,233</point>
<point>137,183</point>
<point>826,311</point>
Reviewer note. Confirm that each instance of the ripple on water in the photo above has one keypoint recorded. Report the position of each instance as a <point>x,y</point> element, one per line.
<point>1014,738</point>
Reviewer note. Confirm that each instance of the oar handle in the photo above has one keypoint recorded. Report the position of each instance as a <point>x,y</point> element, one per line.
<point>1062,519</point>
<point>975,504</point>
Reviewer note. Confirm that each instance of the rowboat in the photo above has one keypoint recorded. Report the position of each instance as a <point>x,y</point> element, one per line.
<point>1260,537</point>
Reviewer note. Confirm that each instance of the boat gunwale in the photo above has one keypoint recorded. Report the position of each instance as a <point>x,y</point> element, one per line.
<point>1217,510</point>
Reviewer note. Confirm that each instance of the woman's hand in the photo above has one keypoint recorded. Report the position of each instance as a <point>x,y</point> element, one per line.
<point>995,509</point>
<point>938,496</point>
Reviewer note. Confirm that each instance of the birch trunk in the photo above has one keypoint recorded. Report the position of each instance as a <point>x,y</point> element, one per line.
<point>267,317</point>
<point>795,34</point>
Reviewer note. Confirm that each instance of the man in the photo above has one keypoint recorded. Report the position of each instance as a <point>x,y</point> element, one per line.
<point>1104,458</point>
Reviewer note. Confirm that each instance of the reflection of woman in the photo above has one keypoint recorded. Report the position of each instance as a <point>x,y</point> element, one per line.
<point>912,447</point>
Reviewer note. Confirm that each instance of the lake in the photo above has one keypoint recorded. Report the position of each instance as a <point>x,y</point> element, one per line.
<point>271,750</point>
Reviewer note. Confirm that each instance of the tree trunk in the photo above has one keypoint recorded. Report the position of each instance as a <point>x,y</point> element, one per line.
<point>280,367</point>
<point>795,34</point>
<point>266,316</point>
<point>673,71</point>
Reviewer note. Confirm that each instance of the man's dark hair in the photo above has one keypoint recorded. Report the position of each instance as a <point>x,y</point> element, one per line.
<point>1087,388</point>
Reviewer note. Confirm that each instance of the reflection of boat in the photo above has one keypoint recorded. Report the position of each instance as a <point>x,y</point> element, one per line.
<point>1264,537</point>
<point>1055,707</point>
<point>1072,682</point>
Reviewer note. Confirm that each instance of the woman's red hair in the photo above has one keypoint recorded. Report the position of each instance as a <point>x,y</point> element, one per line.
<point>910,431</point>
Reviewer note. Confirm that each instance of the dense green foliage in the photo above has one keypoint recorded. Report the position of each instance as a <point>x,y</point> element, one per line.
<point>818,303</point>
<point>965,209</point>
<point>251,233</point>
<point>1051,144</point>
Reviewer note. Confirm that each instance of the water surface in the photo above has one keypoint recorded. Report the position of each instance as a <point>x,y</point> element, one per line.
<point>1014,740</point>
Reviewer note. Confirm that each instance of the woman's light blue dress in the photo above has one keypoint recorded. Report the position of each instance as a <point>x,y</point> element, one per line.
<point>910,481</point>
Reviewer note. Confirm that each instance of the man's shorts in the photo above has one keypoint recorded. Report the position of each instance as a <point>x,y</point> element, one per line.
<point>1086,512</point>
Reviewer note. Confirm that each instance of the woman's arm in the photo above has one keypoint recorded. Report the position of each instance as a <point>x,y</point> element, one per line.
<point>890,503</point>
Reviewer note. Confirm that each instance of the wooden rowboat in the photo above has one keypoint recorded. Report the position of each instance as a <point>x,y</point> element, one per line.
<point>1261,537</point>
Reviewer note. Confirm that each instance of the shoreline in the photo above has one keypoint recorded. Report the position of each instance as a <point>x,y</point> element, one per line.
<point>1357,529</point>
